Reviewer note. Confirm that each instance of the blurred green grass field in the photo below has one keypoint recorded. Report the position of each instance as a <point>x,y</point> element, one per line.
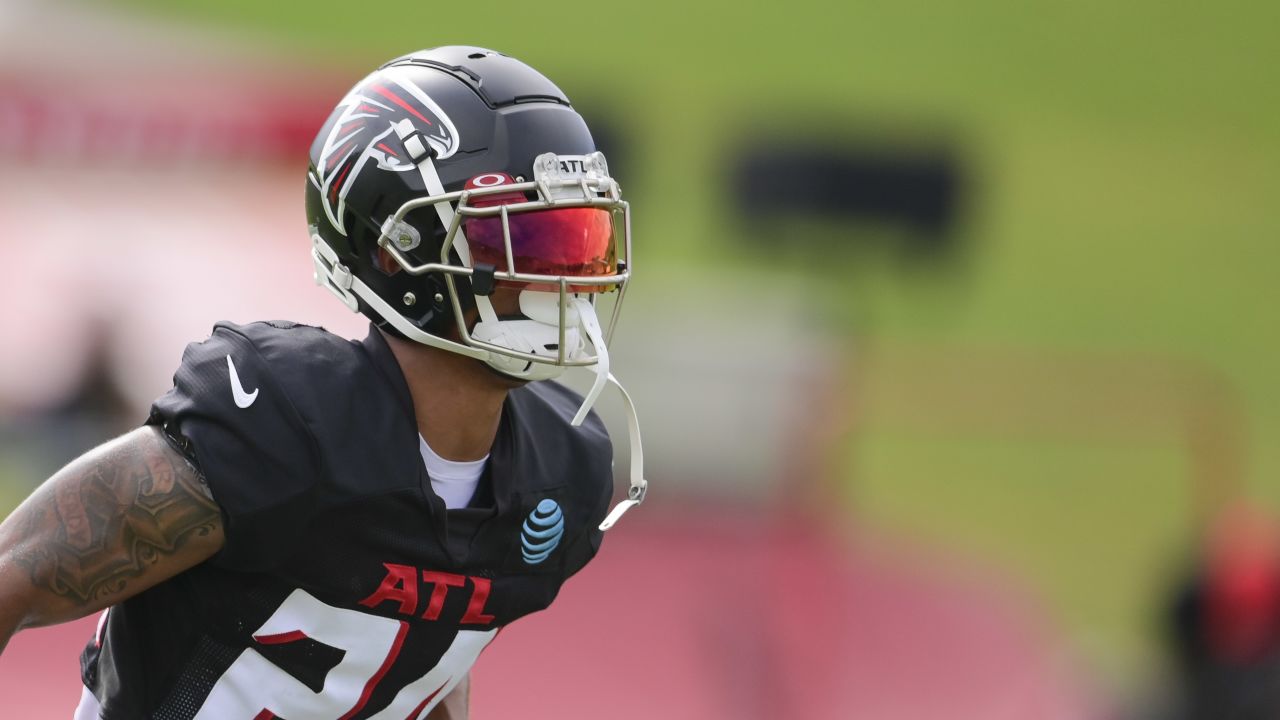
<point>1124,159</point>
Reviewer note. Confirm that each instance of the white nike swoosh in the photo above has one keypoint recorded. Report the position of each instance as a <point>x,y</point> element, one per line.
<point>243,399</point>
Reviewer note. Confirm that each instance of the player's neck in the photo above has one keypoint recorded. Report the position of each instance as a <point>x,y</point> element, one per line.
<point>457,400</point>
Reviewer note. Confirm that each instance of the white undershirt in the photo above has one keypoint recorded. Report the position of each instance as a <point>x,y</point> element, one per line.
<point>454,482</point>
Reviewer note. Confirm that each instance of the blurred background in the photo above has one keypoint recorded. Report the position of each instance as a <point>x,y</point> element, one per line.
<point>952,334</point>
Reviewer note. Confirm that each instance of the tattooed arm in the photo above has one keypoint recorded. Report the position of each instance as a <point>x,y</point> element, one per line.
<point>119,519</point>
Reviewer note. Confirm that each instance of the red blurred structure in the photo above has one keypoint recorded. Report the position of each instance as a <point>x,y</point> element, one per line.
<point>40,671</point>
<point>725,614</point>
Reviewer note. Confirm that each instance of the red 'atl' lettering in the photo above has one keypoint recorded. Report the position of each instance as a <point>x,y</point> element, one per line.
<point>443,581</point>
<point>400,586</point>
<point>475,614</point>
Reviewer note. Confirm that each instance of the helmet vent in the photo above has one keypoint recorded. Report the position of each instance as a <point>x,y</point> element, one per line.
<point>477,55</point>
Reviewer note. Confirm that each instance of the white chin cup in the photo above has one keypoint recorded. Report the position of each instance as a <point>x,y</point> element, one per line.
<point>537,334</point>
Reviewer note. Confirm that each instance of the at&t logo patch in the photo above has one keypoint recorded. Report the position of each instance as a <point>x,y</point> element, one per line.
<point>541,532</point>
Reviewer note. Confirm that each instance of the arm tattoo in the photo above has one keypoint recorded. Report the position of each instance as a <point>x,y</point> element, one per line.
<point>116,515</point>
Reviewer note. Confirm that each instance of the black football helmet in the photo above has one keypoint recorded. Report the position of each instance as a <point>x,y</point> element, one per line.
<point>450,173</point>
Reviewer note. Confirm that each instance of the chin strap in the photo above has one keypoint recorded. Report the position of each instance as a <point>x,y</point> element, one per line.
<point>591,326</point>
<point>639,486</point>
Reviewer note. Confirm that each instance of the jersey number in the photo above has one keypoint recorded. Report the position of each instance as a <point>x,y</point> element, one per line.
<point>255,689</point>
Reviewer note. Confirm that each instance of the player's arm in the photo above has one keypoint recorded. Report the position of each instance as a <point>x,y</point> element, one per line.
<point>119,519</point>
<point>457,704</point>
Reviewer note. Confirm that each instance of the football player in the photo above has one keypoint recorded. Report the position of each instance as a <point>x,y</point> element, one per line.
<point>312,527</point>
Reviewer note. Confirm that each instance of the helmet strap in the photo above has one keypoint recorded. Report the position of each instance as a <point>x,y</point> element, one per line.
<point>590,325</point>
<point>639,486</point>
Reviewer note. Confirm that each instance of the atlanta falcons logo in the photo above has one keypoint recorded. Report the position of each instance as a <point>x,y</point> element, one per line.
<point>365,130</point>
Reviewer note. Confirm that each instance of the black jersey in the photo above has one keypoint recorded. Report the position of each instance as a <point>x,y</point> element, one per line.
<point>345,588</point>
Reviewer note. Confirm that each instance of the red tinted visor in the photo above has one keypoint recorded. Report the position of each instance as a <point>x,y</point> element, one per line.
<point>570,242</point>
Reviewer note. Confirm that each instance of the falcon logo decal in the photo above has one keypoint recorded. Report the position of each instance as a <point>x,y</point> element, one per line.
<point>541,532</point>
<point>365,131</point>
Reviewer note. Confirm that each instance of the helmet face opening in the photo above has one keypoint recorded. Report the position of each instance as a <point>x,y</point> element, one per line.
<point>567,242</point>
<point>571,238</point>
